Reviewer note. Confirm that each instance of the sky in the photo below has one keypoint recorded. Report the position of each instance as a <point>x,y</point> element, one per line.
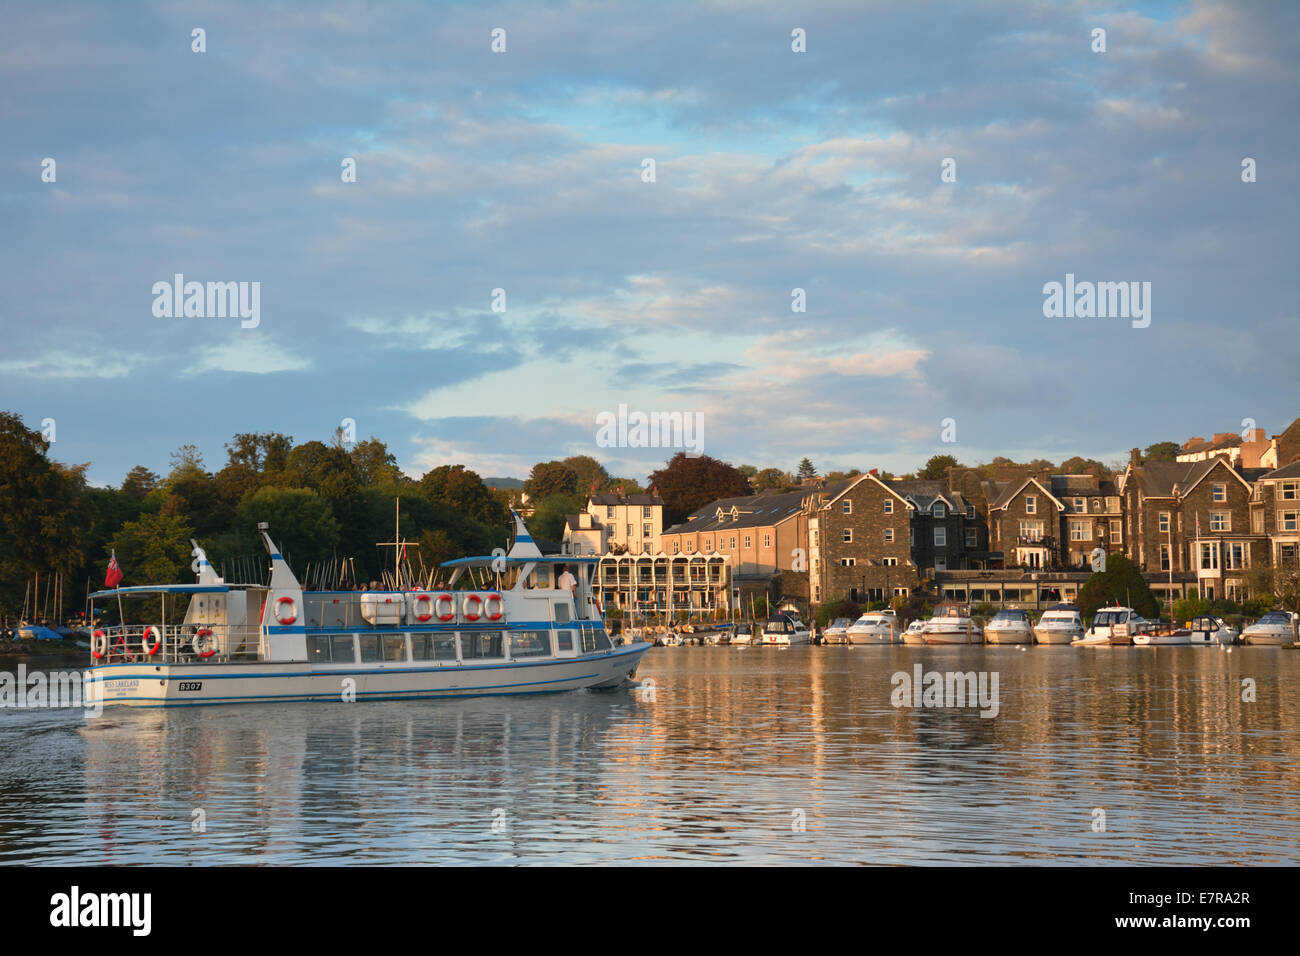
<point>923,332</point>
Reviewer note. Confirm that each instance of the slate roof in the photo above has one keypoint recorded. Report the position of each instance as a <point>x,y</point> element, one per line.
<point>924,492</point>
<point>617,499</point>
<point>1286,471</point>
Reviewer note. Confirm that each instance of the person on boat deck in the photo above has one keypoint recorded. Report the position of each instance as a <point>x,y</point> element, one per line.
<point>567,580</point>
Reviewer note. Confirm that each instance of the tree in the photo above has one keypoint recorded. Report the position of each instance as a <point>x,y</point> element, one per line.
<point>685,483</point>
<point>1084,466</point>
<point>624,486</point>
<point>1162,451</point>
<point>302,522</point>
<point>1121,583</point>
<point>462,490</point>
<point>592,475</point>
<point>139,481</point>
<point>185,459</point>
<point>548,515</point>
<point>772,479</point>
<point>551,478</point>
<point>154,550</point>
<point>749,471</point>
<point>807,469</point>
<point>937,467</point>
<point>375,465</point>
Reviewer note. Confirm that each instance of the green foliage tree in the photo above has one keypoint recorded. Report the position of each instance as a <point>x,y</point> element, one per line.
<point>772,479</point>
<point>591,474</point>
<point>937,467</point>
<point>624,486</point>
<point>139,481</point>
<point>1121,583</point>
<point>301,522</point>
<point>807,469</point>
<point>375,465</point>
<point>154,550</point>
<point>551,478</point>
<point>1162,451</point>
<point>685,483</point>
<point>463,490</point>
<point>548,515</point>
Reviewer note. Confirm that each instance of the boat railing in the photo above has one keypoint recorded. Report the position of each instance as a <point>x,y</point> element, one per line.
<point>175,643</point>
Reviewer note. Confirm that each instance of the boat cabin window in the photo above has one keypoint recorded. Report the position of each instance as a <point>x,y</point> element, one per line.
<point>530,643</point>
<point>594,640</point>
<point>479,645</point>
<point>318,650</point>
<point>394,648</point>
<point>433,647</point>
<point>564,640</point>
<point>370,652</point>
<point>561,613</point>
<point>342,650</point>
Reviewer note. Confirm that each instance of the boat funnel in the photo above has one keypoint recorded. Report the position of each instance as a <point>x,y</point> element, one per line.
<point>524,546</point>
<point>202,567</point>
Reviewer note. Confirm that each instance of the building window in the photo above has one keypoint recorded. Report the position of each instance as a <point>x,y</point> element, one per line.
<point>972,538</point>
<point>1080,530</point>
<point>767,540</point>
<point>609,511</point>
<point>1209,556</point>
<point>889,535</point>
<point>814,537</point>
<point>848,535</point>
<point>939,510</point>
<point>645,531</point>
<point>748,541</point>
<point>645,512</point>
<point>1288,490</point>
<point>941,563</point>
<point>889,562</point>
<point>1116,531</point>
<point>848,562</point>
<point>1219,492</point>
<point>940,537</point>
<point>1164,557</point>
<point>1220,521</point>
<point>708,544</point>
<point>847,506</point>
<point>1288,520</point>
<point>1031,505</point>
<point>889,506</point>
<point>733,542</point>
<point>629,532</point>
<point>1236,554</point>
<point>1031,530</point>
<point>970,511</point>
<point>1257,522</point>
<point>690,546</point>
<point>676,547</point>
<point>1164,522</point>
<point>1079,506</point>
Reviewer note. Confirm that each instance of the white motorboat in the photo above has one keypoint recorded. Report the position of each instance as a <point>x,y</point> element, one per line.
<point>785,630</point>
<point>1009,626</point>
<point>1161,634</point>
<point>1209,631</point>
<point>246,643</point>
<point>952,624</point>
<point>915,633</point>
<point>1060,624</point>
<point>742,635</point>
<point>1274,629</point>
<point>669,639</point>
<point>834,633</point>
<point>875,627</point>
<point>1116,624</point>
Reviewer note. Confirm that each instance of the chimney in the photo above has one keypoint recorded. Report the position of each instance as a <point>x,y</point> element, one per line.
<point>1135,456</point>
<point>874,473</point>
<point>1196,440</point>
<point>1223,436</point>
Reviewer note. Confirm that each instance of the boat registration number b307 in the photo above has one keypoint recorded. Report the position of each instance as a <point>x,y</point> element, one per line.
<point>190,685</point>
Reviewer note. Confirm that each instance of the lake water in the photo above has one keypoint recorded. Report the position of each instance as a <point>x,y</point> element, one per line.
<point>757,755</point>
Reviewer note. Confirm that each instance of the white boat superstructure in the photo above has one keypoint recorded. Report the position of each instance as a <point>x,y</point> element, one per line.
<point>876,627</point>
<point>1009,626</point>
<point>915,633</point>
<point>835,631</point>
<point>742,635</point>
<point>507,629</point>
<point>1207,630</point>
<point>1274,629</point>
<point>785,630</point>
<point>952,624</point>
<point>1060,624</point>
<point>1112,625</point>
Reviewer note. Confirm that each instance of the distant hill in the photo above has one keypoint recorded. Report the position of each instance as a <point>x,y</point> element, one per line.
<point>508,484</point>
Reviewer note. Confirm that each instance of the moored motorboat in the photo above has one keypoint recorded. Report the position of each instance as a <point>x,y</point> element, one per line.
<point>1274,629</point>
<point>1116,624</point>
<point>834,632</point>
<point>875,627</point>
<point>784,630</point>
<point>915,633</point>
<point>952,624</point>
<point>1206,630</point>
<point>245,643</point>
<point>742,635</point>
<point>1161,634</point>
<point>1009,626</point>
<point>1060,624</point>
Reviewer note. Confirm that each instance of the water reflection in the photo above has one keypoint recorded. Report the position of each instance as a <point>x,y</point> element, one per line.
<point>712,770</point>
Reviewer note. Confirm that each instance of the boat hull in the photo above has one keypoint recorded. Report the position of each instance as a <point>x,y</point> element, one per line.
<point>1011,636</point>
<point>1056,635</point>
<point>871,637</point>
<point>1267,640</point>
<point>953,637</point>
<point>197,684</point>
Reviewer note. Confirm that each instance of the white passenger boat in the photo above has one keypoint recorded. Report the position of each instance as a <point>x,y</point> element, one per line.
<point>915,633</point>
<point>1275,629</point>
<point>1009,626</point>
<point>952,624</point>
<point>245,643</point>
<point>1209,631</point>
<point>835,631</point>
<point>1161,634</point>
<point>1060,624</point>
<point>785,630</point>
<point>1116,625</point>
<point>876,627</point>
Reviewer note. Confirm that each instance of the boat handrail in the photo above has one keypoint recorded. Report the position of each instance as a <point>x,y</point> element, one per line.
<point>176,643</point>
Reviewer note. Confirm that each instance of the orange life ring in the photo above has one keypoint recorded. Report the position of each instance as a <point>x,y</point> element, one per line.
<point>151,649</point>
<point>202,646</point>
<point>280,617</point>
<point>98,645</point>
<point>501,606</point>
<point>465,607</point>
<point>415,607</point>
<point>451,607</point>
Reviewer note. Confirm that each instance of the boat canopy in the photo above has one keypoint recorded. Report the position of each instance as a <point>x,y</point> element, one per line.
<point>166,589</point>
<point>499,561</point>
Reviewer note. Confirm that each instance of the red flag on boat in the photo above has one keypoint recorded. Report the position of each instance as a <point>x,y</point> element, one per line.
<point>114,575</point>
